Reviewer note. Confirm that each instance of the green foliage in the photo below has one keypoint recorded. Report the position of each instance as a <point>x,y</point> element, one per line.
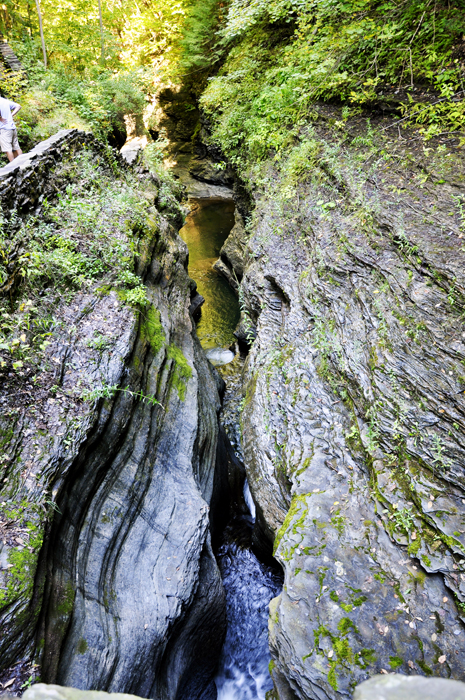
<point>137,296</point>
<point>63,97</point>
<point>134,33</point>
<point>199,46</point>
<point>287,54</point>
<point>403,519</point>
<point>108,392</point>
<point>91,233</point>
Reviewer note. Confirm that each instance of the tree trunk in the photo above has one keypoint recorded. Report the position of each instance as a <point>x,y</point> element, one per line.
<point>41,29</point>
<point>102,43</point>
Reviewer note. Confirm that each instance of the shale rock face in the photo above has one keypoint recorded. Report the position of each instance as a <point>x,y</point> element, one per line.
<point>231,261</point>
<point>354,416</point>
<point>124,594</point>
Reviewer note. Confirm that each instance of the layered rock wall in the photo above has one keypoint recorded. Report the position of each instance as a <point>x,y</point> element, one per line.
<point>354,416</point>
<point>111,461</point>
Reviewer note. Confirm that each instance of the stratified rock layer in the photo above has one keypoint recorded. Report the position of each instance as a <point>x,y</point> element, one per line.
<point>354,416</point>
<point>127,595</point>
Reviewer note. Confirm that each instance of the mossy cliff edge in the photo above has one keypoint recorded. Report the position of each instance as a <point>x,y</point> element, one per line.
<point>109,435</point>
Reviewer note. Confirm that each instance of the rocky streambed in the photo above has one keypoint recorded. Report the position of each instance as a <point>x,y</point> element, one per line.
<point>249,584</point>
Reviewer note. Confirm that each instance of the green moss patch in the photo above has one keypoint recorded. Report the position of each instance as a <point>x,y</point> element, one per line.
<point>152,329</point>
<point>182,370</point>
<point>298,506</point>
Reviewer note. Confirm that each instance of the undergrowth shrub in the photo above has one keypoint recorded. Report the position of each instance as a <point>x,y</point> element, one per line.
<point>60,98</point>
<point>285,55</point>
<point>88,238</point>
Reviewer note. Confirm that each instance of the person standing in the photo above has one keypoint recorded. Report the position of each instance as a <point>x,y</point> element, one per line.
<point>8,135</point>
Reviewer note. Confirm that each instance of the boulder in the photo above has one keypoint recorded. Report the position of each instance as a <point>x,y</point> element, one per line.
<point>398,687</point>
<point>42,691</point>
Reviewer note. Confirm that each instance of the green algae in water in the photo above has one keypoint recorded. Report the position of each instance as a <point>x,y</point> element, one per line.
<point>206,228</point>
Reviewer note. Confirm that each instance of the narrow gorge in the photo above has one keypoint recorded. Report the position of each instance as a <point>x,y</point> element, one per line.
<point>232,358</point>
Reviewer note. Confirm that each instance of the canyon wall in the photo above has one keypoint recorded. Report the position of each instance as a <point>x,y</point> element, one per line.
<point>110,440</point>
<point>353,410</point>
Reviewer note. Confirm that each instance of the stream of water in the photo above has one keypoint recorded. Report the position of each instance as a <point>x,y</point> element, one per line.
<point>206,228</point>
<point>249,584</point>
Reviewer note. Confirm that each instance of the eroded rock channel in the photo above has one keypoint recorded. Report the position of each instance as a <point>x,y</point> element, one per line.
<point>249,583</point>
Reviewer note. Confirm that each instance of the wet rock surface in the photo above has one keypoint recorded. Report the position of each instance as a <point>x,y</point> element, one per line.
<point>232,254</point>
<point>110,494</point>
<point>353,418</point>
<point>206,171</point>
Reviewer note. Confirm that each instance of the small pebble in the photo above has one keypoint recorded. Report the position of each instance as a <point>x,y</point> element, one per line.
<point>445,599</point>
<point>434,637</point>
<point>442,659</point>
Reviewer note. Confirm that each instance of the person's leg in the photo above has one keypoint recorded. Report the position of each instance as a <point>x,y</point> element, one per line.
<point>6,143</point>
<point>15,144</point>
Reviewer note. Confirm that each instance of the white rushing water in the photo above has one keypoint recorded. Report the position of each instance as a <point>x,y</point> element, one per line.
<point>249,586</point>
<point>249,500</point>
